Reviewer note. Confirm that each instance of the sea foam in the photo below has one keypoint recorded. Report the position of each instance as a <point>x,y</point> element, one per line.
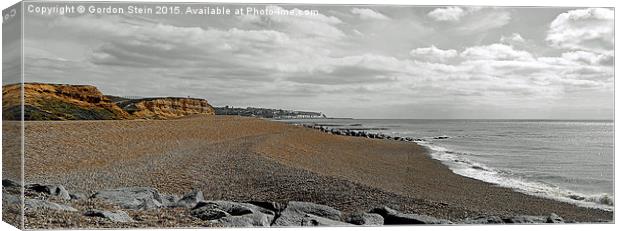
<point>461,165</point>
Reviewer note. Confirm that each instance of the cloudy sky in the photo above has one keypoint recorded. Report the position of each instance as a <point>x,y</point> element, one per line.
<point>348,61</point>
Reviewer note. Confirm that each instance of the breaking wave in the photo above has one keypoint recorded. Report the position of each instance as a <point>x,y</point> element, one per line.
<point>461,165</point>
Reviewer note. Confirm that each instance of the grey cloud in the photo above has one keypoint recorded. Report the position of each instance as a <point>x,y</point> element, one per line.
<point>369,14</point>
<point>318,63</point>
<point>484,20</point>
<point>345,75</point>
<point>318,26</point>
<point>451,13</point>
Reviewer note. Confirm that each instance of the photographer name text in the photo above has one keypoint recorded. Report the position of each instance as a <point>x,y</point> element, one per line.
<point>164,10</point>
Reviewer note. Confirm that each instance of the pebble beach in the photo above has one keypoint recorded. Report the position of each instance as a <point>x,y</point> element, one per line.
<point>249,159</point>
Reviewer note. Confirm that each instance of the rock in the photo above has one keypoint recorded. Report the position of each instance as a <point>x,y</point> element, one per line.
<point>576,197</point>
<point>371,219</point>
<point>273,206</point>
<point>170,201</point>
<point>236,208</point>
<point>393,217</point>
<point>441,137</point>
<point>7,183</point>
<point>118,216</point>
<point>190,199</point>
<point>43,204</point>
<point>484,220</point>
<point>525,219</point>
<point>554,218</point>
<point>223,210</point>
<point>10,199</point>
<point>52,190</point>
<point>295,212</point>
<point>313,220</point>
<point>248,220</point>
<point>206,213</point>
<point>138,198</point>
<point>77,196</point>
<point>237,221</point>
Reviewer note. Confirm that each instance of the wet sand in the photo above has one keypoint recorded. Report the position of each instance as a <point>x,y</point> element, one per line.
<point>235,158</point>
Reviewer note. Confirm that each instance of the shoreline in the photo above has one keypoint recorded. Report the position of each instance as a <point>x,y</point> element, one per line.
<point>273,161</point>
<point>356,130</point>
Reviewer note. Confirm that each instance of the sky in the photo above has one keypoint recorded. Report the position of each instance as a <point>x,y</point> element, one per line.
<point>361,61</point>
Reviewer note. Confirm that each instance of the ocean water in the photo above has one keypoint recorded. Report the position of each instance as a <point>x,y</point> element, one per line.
<point>570,161</point>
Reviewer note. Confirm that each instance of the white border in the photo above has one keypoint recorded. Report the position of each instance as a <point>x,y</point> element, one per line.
<point>565,3</point>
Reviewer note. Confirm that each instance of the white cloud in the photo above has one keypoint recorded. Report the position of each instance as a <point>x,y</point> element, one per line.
<point>368,14</point>
<point>500,70</point>
<point>588,57</point>
<point>452,13</point>
<point>495,52</point>
<point>433,53</point>
<point>471,19</point>
<point>589,29</point>
<point>515,38</point>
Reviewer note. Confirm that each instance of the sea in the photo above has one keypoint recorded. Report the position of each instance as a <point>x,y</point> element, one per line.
<point>570,161</point>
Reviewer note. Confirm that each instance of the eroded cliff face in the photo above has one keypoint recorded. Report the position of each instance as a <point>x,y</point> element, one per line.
<point>82,102</point>
<point>166,108</point>
<point>59,102</point>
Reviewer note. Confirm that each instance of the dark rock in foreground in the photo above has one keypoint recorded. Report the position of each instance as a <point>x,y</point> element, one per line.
<point>393,217</point>
<point>118,216</point>
<point>241,221</point>
<point>484,220</point>
<point>554,218</point>
<point>313,220</point>
<point>43,204</point>
<point>233,214</point>
<point>7,183</point>
<point>371,219</point>
<point>10,199</point>
<point>551,218</point>
<point>190,199</point>
<point>295,212</point>
<point>138,198</point>
<point>273,206</point>
<point>52,190</point>
<point>77,196</point>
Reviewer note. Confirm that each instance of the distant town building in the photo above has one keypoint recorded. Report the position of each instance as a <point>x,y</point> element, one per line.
<point>267,113</point>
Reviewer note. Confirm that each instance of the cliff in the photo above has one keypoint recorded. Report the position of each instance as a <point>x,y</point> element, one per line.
<point>82,102</point>
<point>59,102</point>
<point>166,108</point>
